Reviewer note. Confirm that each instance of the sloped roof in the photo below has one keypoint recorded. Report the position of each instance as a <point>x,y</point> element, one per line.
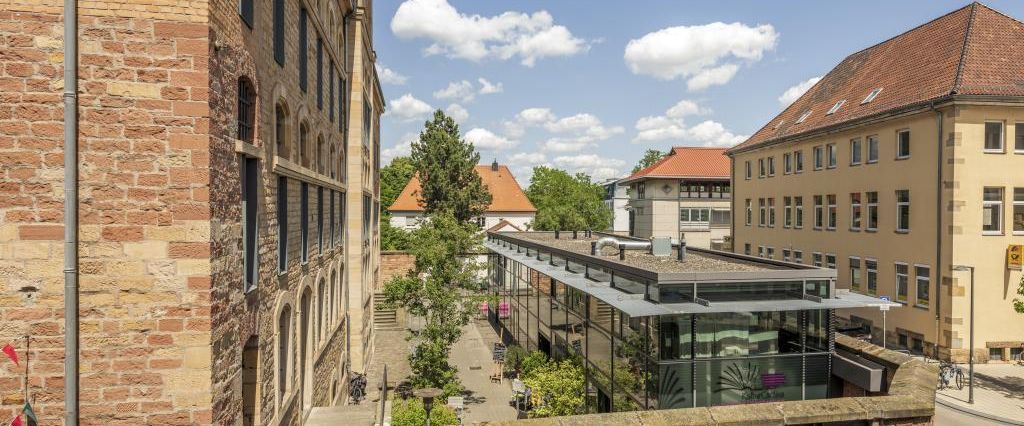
<point>973,50</point>
<point>500,227</point>
<point>506,195</point>
<point>685,161</point>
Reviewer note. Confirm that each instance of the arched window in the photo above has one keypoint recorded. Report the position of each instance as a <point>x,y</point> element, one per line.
<point>284,323</point>
<point>305,366</point>
<point>251,382</point>
<point>281,130</point>
<point>303,152</point>
<point>246,109</point>
<point>322,300</point>
<point>334,301</point>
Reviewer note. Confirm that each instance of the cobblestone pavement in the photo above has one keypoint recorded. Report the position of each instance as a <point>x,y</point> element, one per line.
<point>391,349</point>
<point>486,400</point>
<point>998,395</point>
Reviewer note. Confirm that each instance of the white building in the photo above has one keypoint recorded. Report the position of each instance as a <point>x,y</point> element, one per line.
<point>616,197</point>
<point>509,210</point>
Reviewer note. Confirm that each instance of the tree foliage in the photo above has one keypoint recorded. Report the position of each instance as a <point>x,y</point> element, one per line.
<point>1018,304</point>
<point>567,203</point>
<point>410,412</point>
<point>650,157</point>
<point>445,164</point>
<point>393,178</point>
<point>557,388</point>
<point>392,238</point>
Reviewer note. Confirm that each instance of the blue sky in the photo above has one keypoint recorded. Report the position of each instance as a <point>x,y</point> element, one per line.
<point>590,85</point>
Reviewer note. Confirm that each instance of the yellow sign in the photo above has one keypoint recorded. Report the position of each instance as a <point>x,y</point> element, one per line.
<point>1013,256</point>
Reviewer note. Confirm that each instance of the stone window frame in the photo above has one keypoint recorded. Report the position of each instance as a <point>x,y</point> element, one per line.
<point>284,309</point>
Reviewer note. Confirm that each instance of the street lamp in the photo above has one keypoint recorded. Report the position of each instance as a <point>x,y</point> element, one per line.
<point>970,374</point>
<point>428,395</point>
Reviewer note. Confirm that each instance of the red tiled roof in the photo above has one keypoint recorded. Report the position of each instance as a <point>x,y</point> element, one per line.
<point>686,161</point>
<point>501,225</point>
<point>506,195</point>
<point>973,50</point>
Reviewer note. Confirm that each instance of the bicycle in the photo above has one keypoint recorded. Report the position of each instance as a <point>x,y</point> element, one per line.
<point>357,386</point>
<point>950,372</point>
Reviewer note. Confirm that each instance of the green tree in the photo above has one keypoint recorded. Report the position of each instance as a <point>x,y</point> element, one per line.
<point>393,178</point>
<point>567,203</point>
<point>556,388</point>
<point>650,157</point>
<point>410,412</point>
<point>446,166</point>
<point>392,238</point>
<point>1018,304</point>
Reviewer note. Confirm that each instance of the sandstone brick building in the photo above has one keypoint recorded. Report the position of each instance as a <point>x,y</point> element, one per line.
<point>229,199</point>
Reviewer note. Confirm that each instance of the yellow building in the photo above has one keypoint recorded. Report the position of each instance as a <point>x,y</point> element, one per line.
<point>905,160</point>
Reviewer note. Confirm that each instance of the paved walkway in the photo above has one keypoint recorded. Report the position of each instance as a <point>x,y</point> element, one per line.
<point>472,355</point>
<point>998,394</point>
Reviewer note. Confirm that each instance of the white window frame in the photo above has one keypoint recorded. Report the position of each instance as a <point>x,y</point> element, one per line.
<point>819,212</point>
<point>798,161</point>
<point>833,212</point>
<point>832,264</point>
<point>771,166</point>
<point>873,148</point>
<point>832,156</point>
<point>746,249</point>
<point>901,155</point>
<point>819,157</point>
<point>762,216</point>
<point>760,251</point>
<point>1018,149</point>
<point>787,163</point>
<point>855,283</point>
<point>761,172</point>
<point>1002,138</point>
<point>769,253</point>
<point>750,211</point>
<point>870,206</point>
<point>771,212</point>
<point>1013,212</point>
<point>871,96</point>
<point>856,211</point>
<point>870,272</point>
<point>798,256</point>
<point>798,212</point>
<point>900,205</point>
<point>817,259</point>
<point>999,206</point>
<point>835,107</point>
<point>804,116</point>
<point>856,152</point>
<point>917,284</point>
<point>787,215</point>
<point>906,278</point>
<point>786,254</point>
<point>749,173</point>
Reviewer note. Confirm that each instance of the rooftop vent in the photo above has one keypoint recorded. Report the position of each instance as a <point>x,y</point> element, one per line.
<point>494,165</point>
<point>871,96</point>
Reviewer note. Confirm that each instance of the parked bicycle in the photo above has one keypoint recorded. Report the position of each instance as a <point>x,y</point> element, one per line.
<point>357,386</point>
<point>950,374</point>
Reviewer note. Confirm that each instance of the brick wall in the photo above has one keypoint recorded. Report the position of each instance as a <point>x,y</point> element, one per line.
<point>394,264</point>
<point>144,192</point>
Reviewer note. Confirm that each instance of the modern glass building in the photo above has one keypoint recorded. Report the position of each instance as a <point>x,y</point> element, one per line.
<point>657,332</point>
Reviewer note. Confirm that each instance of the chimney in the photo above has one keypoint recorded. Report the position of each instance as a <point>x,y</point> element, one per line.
<point>494,165</point>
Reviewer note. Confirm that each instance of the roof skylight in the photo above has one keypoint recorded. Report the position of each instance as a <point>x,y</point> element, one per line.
<point>836,107</point>
<point>779,124</point>
<point>803,117</point>
<point>871,96</point>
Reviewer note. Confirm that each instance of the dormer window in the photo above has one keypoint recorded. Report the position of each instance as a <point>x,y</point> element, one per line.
<point>803,117</point>
<point>871,96</point>
<point>836,107</point>
<point>779,124</point>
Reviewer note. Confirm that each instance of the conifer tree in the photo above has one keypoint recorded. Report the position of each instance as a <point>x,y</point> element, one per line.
<point>445,164</point>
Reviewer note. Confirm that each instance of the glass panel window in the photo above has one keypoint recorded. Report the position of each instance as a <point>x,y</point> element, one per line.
<point>855,273</point>
<point>833,156</point>
<point>855,212</point>
<point>830,261</point>
<point>787,163</point>
<point>798,203</point>
<point>787,206</point>
<point>903,210</point>
<point>819,157</point>
<point>992,209</point>
<point>798,256</point>
<point>771,212</point>
<point>746,173</point>
<point>832,212</point>
<point>1018,137</point>
<point>871,269</point>
<point>746,249</point>
<point>901,282</point>
<point>819,212</point>
<point>1018,210</point>
<point>817,259</point>
<point>994,136</point>
<point>798,161</point>
<point>770,252</point>
<point>750,211</point>
<point>872,205</point>
<point>762,219</point>
<point>922,273</point>
<point>760,168</point>
<point>787,254</point>
<point>855,152</point>
<point>872,149</point>
<point>903,144</point>
<point>771,166</point>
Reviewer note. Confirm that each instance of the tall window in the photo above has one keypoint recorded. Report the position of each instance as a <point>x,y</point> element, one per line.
<point>332,219</point>
<point>872,149</point>
<point>855,152</point>
<point>923,280</point>
<point>787,206</point>
<point>319,73</point>
<point>817,259</point>
<point>1018,211</point>
<point>798,203</point>
<point>855,273</point>
<point>281,130</point>
<point>246,12</point>
<point>902,282</point>
<point>903,210</point>
<point>871,265</point>
<point>798,161</point>
<point>1018,137</point>
<point>303,49</point>
<point>279,31</point>
<point>761,172</point>
<point>320,219</point>
<point>750,212</point>
<point>771,166</point>
<point>994,136</point>
<point>787,163</point>
<point>903,144</point>
<point>832,212</point>
<point>746,249</point>
<point>819,212</point>
<point>833,156</point>
<point>992,209</point>
<point>855,212</point>
<point>771,212</point>
<point>246,109</point>
<point>641,189</point>
<point>819,157</point>
<point>798,256</point>
<point>341,218</point>
<point>367,122</point>
<point>320,160</point>
<point>341,104</point>
<point>747,170</point>
<point>304,220</point>
<point>763,215</point>
<point>250,183</point>
<point>331,163</point>
<point>830,261</point>
<point>304,145</point>
<point>872,205</point>
<point>282,223</point>
<point>284,356</point>
<point>330,91</point>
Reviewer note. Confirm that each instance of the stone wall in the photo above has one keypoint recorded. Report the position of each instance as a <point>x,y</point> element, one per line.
<point>910,400</point>
<point>394,264</point>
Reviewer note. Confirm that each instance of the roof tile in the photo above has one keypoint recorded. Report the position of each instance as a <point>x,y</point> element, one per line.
<point>506,194</point>
<point>686,161</point>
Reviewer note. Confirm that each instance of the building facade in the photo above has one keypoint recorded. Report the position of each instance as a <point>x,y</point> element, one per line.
<point>686,194</point>
<point>226,149</point>
<point>509,210</point>
<point>901,170</point>
<point>616,198</point>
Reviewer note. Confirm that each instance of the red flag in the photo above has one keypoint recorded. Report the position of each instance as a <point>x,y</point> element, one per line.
<point>17,419</point>
<point>9,350</point>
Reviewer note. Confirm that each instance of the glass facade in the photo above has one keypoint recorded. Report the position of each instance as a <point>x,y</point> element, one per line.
<point>666,361</point>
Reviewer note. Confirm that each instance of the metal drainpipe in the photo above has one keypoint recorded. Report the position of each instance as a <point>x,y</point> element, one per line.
<point>70,212</point>
<point>938,233</point>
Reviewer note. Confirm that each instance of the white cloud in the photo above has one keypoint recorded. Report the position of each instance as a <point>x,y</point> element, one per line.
<point>403,148</point>
<point>793,93</point>
<point>457,112</point>
<point>527,159</point>
<point>485,139</point>
<point>388,76</point>
<point>461,90</point>
<point>671,126</point>
<point>599,168</point>
<point>487,88</point>
<point>454,34</point>
<point>576,132</point>
<point>567,144</point>
<point>705,55</point>
<point>409,108</point>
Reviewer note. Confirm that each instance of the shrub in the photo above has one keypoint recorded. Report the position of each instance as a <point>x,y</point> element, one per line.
<point>514,358</point>
<point>532,361</point>
<point>410,412</point>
